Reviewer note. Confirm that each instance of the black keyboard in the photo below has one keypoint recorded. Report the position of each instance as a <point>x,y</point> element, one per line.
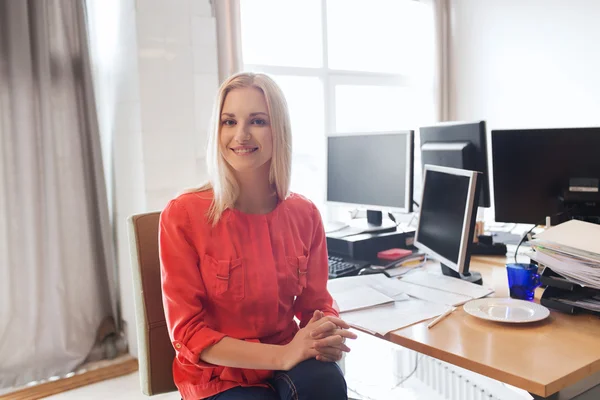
<point>339,267</point>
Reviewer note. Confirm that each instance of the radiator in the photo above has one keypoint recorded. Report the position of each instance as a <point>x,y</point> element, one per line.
<point>448,383</point>
<point>455,383</point>
<point>378,370</point>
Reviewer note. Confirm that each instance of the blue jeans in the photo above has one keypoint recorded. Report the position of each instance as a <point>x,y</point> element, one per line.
<point>309,380</point>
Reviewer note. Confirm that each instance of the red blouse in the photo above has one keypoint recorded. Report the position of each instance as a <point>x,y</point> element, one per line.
<point>247,277</point>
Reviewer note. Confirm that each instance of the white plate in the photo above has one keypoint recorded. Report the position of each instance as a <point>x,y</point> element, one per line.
<point>506,310</point>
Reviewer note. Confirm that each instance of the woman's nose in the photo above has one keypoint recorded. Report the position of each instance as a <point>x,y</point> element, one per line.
<point>242,135</point>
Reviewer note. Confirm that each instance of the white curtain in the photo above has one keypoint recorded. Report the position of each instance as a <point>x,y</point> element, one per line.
<point>229,46</point>
<point>57,280</point>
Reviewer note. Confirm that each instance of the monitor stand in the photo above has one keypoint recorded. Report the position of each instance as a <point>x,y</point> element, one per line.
<point>374,223</point>
<point>362,225</point>
<point>473,277</point>
<point>487,247</point>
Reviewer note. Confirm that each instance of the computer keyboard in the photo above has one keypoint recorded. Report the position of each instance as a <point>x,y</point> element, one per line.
<point>339,267</point>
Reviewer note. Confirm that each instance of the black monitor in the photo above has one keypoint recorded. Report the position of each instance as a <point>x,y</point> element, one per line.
<point>458,145</point>
<point>374,171</point>
<point>541,173</point>
<point>447,219</point>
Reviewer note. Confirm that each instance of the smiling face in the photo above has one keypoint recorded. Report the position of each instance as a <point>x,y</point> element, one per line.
<point>246,138</point>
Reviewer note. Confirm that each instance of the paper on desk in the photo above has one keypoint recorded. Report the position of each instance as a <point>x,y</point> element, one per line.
<point>447,284</point>
<point>385,319</point>
<point>574,238</point>
<point>571,249</point>
<point>379,282</point>
<point>432,295</point>
<point>580,272</point>
<point>359,298</point>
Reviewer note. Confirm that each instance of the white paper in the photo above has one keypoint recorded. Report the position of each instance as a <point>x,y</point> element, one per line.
<point>360,298</point>
<point>583,274</point>
<point>379,282</point>
<point>388,318</point>
<point>385,285</point>
<point>579,237</point>
<point>447,284</point>
<point>433,295</point>
<point>579,255</point>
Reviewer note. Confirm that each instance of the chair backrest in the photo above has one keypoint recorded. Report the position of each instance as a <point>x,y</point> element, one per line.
<point>155,350</point>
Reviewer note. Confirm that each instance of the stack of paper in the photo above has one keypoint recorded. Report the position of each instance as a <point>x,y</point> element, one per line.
<point>363,287</point>
<point>442,289</point>
<point>571,249</point>
<point>385,319</point>
<point>360,298</point>
<point>378,304</point>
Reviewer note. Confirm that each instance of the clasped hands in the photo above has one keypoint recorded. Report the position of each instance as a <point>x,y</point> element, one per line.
<point>323,338</point>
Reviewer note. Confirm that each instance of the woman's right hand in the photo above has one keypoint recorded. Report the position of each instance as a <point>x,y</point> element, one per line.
<point>303,345</point>
<point>331,339</point>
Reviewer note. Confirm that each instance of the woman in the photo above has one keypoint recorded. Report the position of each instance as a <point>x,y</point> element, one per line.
<point>241,257</point>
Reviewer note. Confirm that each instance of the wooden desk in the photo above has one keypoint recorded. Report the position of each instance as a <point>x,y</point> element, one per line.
<point>541,358</point>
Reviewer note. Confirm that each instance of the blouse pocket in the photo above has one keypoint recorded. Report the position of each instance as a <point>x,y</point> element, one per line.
<point>298,268</point>
<point>228,277</point>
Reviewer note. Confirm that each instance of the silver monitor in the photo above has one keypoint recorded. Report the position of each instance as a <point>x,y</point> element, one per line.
<point>372,171</point>
<point>447,218</point>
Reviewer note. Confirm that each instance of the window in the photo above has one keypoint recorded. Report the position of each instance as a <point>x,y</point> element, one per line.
<point>345,66</point>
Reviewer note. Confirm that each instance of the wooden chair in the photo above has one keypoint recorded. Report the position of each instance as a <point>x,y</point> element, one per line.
<point>155,350</point>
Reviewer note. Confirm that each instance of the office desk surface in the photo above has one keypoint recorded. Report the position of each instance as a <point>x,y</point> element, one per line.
<point>542,358</point>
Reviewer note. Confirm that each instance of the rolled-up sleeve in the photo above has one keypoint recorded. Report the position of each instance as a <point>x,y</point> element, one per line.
<point>183,288</point>
<point>315,296</point>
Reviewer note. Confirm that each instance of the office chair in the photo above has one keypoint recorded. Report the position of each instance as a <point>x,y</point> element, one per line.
<point>156,352</point>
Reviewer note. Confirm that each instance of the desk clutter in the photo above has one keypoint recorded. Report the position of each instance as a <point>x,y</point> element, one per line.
<point>342,266</point>
<point>379,305</point>
<point>537,175</point>
<point>375,172</point>
<point>570,253</point>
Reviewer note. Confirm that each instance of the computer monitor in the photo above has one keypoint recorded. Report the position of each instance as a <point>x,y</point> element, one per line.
<point>374,171</point>
<point>541,173</point>
<point>458,145</point>
<point>447,219</point>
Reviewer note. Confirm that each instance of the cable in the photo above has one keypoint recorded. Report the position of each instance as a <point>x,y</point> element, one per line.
<point>532,228</point>
<point>416,204</point>
<point>418,358</point>
<point>407,377</point>
<point>522,240</point>
<point>414,215</point>
<point>391,216</point>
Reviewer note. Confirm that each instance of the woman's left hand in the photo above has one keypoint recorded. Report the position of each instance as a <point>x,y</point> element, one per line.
<point>331,339</point>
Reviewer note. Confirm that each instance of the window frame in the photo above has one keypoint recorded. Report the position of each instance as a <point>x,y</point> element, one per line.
<point>330,78</point>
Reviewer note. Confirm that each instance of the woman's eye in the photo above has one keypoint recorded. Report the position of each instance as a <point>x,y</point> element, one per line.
<point>259,121</point>
<point>228,122</point>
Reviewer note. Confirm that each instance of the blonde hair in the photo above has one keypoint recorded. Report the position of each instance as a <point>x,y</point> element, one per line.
<point>221,179</point>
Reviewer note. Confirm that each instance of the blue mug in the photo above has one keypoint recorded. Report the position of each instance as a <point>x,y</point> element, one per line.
<point>522,280</point>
